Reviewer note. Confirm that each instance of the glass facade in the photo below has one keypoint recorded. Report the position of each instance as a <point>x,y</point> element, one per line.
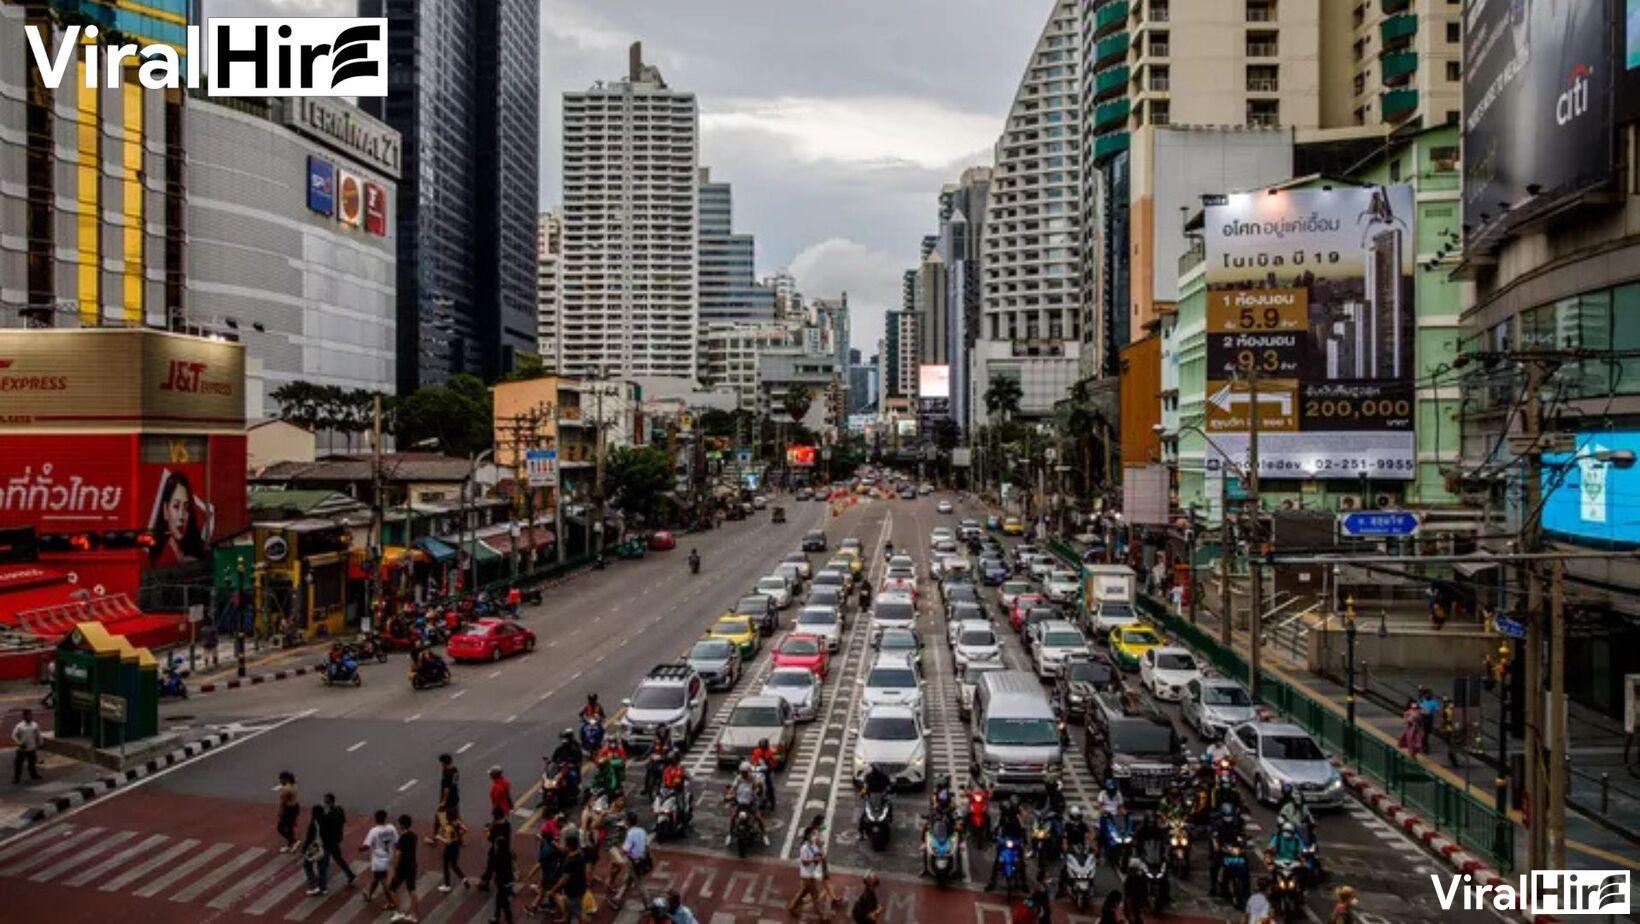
<point>151,20</point>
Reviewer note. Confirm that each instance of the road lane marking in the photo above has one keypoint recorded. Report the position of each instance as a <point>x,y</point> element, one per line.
<point>178,872</point>
<point>217,875</point>
<point>510,719</point>
<point>464,748</point>
<point>78,857</point>
<point>49,852</point>
<point>242,886</point>
<point>89,876</point>
<point>132,875</point>
<point>458,694</point>
<point>277,894</point>
<point>409,783</point>
<point>494,674</point>
<point>412,718</point>
<point>355,746</point>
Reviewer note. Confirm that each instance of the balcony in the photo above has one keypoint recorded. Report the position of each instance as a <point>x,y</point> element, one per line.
<point>1109,17</point>
<point>1391,7</point>
<point>1395,67</point>
<point>1109,145</point>
<point>1398,104</point>
<point>1110,50</point>
<point>1398,30</point>
<point>1110,82</point>
<point>1263,49</point>
<point>1111,115</point>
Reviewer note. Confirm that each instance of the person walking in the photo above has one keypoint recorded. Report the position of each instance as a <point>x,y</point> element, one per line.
<point>868,908</point>
<point>1110,912</point>
<point>315,861</point>
<point>497,840</point>
<point>449,786</point>
<point>1412,729</point>
<point>500,791</point>
<point>572,878</point>
<point>811,871</point>
<point>451,834</point>
<point>379,843</point>
<point>1343,909</point>
<point>290,811</point>
<point>1430,704</point>
<point>504,880</point>
<point>26,735</point>
<point>332,825</point>
<point>403,874</point>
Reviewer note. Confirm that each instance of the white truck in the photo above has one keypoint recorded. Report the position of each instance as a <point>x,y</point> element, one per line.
<point>1108,597</point>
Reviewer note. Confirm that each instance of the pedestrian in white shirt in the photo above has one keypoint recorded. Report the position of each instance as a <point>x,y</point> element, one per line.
<point>26,735</point>
<point>379,842</point>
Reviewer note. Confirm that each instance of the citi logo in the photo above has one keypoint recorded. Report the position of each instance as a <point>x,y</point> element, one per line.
<point>1575,101</point>
<point>1545,892</point>
<point>245,56</point>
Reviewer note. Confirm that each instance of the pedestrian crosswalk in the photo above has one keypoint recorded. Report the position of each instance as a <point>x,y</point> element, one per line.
<point>244,881</point>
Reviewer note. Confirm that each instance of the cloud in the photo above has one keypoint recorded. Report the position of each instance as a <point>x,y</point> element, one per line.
<point>871,130</point>
<point>870,277</point>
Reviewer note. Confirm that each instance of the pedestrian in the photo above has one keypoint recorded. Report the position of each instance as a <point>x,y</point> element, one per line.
<point>497,839</point>
<point>867,908</point>
<point>403,874</point>
<point>549,857</point>
<point>290,811</point>
<point>379,843</point>
<point>449,785</point>
<point>500,791</point>
<point>1431,706</point>
<point>678,910</point>
<point>504,879</point>
<point>1343,909</point>
<point>1110,911</point>
<point>1258,910</point>
<point>452,833</point>
<point>572,878</point>
<point>208,640</point>
<point>811,870</point>
<point>315,862</point>
<point>1412,729</point>
<point>332,824</point>
<point>26,735</point>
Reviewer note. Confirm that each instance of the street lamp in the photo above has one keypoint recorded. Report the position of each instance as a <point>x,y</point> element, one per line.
<point>1349,669</point>
<point>239,621</point>
<point>1497,672</point>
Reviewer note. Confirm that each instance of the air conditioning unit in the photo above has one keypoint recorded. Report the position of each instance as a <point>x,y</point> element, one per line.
<point>1384,501</point>
<point>1349,502</point>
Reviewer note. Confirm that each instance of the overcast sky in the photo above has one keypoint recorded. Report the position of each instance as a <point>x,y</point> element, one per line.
<point>837,122</point>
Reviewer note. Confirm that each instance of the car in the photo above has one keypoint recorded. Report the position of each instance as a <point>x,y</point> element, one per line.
<point>968,529</point>
<point>672,695</point>
<point>814,541</point>
<point>993,522</point>
<point>992,572</point>
<point>851,542</point>
<point>1011,591</point>
<point>751,720</point>
<point>1062,585</point>
<point>1023,604</point>
<point>964,613</point>
<point>1134,745</point>
<point>792,574</point>
<point>1041,565</point>
<point>1080,680</point>
<point>489,640</point>
<point>1035,617</point>
<point>760,609</point>
<point>776,588</point>
<point>955,565</point>
<point>946,547</point>
<point>941,534</point>
<point>1057,641</point>
<point>892,611</point>
<point>925,489</point>
<point>1129,644</point>
<point>850,556</point>
<point>821,621</point>
<point>977,643</point>
<point>1110,615</point>
<point>740,631</point>
<point>901,586</point>
<point>1214,705</point>
<point>1012,526</point>
<point>967,679</point>
<point>799,687</point>
<point>833,597</point>
<point>1268,754</point>
<point>805,570</point>
<point>892,738</point>
<point>901,641</point>
<point>902,561</point>
<point>1021,555</point>
<point>944,506</point>
<point>831,577</point>
<point>892,680</point>
<point>717,661</point>
<point>759,502</point>
<point>1165,672</point>
<point>958,591</point>
<point>662,540</point>
<point>802,494</point>
<point>801,649</point>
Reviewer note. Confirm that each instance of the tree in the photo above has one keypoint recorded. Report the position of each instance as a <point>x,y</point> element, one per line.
<point>298,404</point>
<point>529,367</point>
<point>457,415</point>
<point>797,402</point>
<point>638,479</point>
<point>1002,398</point>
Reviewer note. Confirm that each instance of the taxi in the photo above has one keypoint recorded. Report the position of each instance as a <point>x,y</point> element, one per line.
<point>855,562</point>
<point>1129,643</point>
<point>740,631</point>
<point>1011,526</point>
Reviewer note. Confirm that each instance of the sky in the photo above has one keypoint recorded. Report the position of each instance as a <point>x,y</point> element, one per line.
<point>836,122</point>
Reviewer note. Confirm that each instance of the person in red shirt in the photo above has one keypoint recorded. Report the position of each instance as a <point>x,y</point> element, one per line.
<point>762,760</point>
<point>500,791</point>
<point>515,599</point>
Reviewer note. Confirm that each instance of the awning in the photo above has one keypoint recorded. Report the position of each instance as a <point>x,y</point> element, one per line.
<point>502,543</point>
<point>481,551</point>
<point>1472,568</point>
<point>440,550</point>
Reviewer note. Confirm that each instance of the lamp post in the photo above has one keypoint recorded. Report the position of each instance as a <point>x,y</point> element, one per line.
<point>1498,673</point>
<point>1349,668</point>
<point>239,621</point>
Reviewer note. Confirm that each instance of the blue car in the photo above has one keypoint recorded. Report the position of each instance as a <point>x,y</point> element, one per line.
<point>992,572</point>
<point>993,522</point>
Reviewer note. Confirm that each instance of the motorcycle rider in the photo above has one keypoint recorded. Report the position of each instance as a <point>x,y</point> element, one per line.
<point>1076,833</point>
<point>611,761</point>
<point>592,711</point>
<point>875,783</point>
<point>762,760</point>
<point>743,793</point>
<point>975,789</point>
<point>888,550</point>
<point>1285,845</point>
<point>1009,827</point>
<point>1109,801</point>
<point>941,801</point>
<point>655,760</point>
<point>1227,828</point>
<point>1053,795</point>
<point>1293,810</point>
<point>694,561</point>
<point>1050,847</point>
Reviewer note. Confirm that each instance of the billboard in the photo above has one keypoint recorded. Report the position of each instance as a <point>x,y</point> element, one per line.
<point>1591,501</point>
<point>1536,108</point>
<point>1310,294</point>
<point>541,467</point>
<point>800,456</point>
<point>321,185</point>
<point>375,209</point>
<point>934,382</point>
<point>1631,35</point>
<point>349,198</point>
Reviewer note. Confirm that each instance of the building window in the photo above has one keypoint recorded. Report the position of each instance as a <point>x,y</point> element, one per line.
<point>1158,44</point>
<point>1263,78</point>
<point>1454,32</point>
<point>1158,11</point>
<point>1160,77</point>
<point>1262,43</point>
<point>1454,71</point>
<point>1161,112</point>
<point>1263,113</point>
<point>1261,10</point>
<point>1395,171</point>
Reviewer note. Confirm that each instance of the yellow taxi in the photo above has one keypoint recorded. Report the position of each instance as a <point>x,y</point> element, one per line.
<point>855,563</point>
<point>1011,526</point>
<point>740,631</point>
<point>1129,643</point>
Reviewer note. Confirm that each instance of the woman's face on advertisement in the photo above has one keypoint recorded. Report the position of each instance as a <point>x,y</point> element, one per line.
<point>177,513</point>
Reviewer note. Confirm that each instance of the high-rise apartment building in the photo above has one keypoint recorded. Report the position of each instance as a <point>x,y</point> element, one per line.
<point>1030,318</point>
<point>464,97</point>
<point>91,181</point>
<point>549,289</point>
<point>631,161</point>
<point>962,225</point>
<point>729,290</point>
<point>1405,62</point>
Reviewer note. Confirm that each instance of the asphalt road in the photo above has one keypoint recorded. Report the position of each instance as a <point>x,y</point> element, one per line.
<point>376,747</point>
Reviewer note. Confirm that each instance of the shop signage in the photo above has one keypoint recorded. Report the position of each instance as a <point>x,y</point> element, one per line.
<point>274,548</point>
<point>76,673</point>
<point>111,707</point>
<point>347,130</point>
<point>541,467</point>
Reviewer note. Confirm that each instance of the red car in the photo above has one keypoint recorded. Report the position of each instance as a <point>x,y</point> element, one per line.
<point>489,640</point>
<point>802,650</point>
<point>1022,605</point>
<point>662,541</point>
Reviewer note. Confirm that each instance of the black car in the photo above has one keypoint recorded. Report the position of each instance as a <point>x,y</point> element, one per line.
<point>761,608</point>
<point>1133,744</point>
<point>814,541</point>
<point>802,494</point>
<point>1081,679</point>
<point>958,591</point>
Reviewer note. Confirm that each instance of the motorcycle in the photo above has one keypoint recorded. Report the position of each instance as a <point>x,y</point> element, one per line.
<point>369,647</point>
<point>1287,890</point>
<point>694,564</point>
<point>560,790</point>
<point>1234,876</point>
<point>978,818</point>
<point>1081,869</point>
<point>342,673</point>
<point>610,775</point>
<point>1313,871</point>
<point>878,821</point>
<point>434,673</point>
<point>1116,835</point>
<point>1178,848</point>
<point>765,784</point>
<point>592,734</point>
<point>674,809</point>
<point>1154,859</point>
<point>940,850</point>
<point>172,684</point>
<point>1044,836</point>
<point>743,829</point>
<point>1011,864</point>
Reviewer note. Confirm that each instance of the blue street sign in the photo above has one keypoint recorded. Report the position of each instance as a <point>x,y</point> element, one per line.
<point>1379,523</point>
<point>1513,628</point>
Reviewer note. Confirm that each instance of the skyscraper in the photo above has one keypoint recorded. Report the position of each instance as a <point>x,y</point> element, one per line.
<point>631,259</point>
<point>464,96</point>
<point>729,290</point>
<point>549,289</point>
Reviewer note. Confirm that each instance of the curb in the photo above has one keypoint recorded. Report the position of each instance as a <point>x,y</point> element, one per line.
<point>254,679</point>
<point>104,785</point>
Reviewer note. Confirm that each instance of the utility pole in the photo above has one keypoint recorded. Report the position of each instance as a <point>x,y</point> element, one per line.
<point>1227,544</point>
<point>375,511</point>
<point>1190,564</point>
<point>1554,821</point>
<point>598,469</point>
<point>1536,785</point>
<point>1255,571</point>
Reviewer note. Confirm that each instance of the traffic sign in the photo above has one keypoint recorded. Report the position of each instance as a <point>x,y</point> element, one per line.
<point>1379,523</point>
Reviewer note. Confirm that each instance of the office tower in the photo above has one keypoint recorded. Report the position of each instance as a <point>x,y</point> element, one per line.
<point>464,97</point>
<point>631,259</point>
<point>729,290</point>
<point>888,355</point>
<point>91,181</point>
<point>549,289</point>
<point>1029,324</point>
<point>962,224</point>
<point>830,319</point>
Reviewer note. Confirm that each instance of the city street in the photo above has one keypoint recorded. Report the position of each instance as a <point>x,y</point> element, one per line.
<point>197,843</point>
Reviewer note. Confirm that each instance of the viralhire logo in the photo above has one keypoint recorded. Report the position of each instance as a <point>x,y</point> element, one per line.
<point>244,56</point>
<point>1557,892</point>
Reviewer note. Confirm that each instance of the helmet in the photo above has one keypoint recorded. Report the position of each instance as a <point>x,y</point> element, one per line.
<point>1286,788</point>
<point>745,766</point>
<point>592,697</point>
<point>1076,813</point>
<point>1227,810</point>
<point>1288,827</point>
<point>1207,757</point>
<point>1110,784</point>
<point>567,735</point>
<point>763,742</point>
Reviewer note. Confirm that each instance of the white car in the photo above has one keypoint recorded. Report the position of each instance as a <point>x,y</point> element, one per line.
<point>892,611</point>
<point>776,588</point>
<point>893,738</point>
<point>954,627</point>
<point>822,621</point>
<point>801,560</point>
<point>900,586</point>
<point>941,534</point>
<point>792,574</point>
<point>1267,754</point>
<point>1167,671</point>
<point>1042,564</point>
<point>799,687</point>
<point>968,528</point>
<point>1011,591</point>
<point>1056,642</point>
<point>892,681</point>
<point>1062,585</point>
<point>943,506</point>
<point>902,561</point>
<point>1108,616</point>
<point>977,643</point>
<point>1214,705</point>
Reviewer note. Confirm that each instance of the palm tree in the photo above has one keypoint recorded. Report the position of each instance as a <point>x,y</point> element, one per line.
<point>1002,398</point>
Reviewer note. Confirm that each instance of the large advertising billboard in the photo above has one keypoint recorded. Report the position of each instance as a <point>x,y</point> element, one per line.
<point>799,456</point>
<point>1310,305</point>
<point>1537,81</point>
<point>1592,501</point>
<point>934,382</point>
<point>321,185</point>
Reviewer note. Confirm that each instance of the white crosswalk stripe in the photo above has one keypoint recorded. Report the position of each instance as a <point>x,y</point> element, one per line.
<point>179,872</point>
<point>244,884</point>
<point>46,853</point>
<point>91,852</point>
<point>195,889</point>
<point>276,894</point>
<point>37,840</point>
<point>142,847</point>
<point>144,868</point>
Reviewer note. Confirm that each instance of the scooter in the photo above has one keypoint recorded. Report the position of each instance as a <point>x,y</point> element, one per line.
<point>433,674</point>
<point>369,647</point>
<point>940,850</point>
<point>1116,836</point>
<point>1178,849</point>
<point>1011,864</point>
<point>978,818</point>
<point>1154,860</point>
<point>743,829</point>
<point>1287,890</point>
<point>561,790</point>
<point>1234,876</point>
<point>1081,869</point>
<point>674,809</point>
<point>343,673</point>
<point>172,684</point>
<point>877,824</point>
<point>592,734</point>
